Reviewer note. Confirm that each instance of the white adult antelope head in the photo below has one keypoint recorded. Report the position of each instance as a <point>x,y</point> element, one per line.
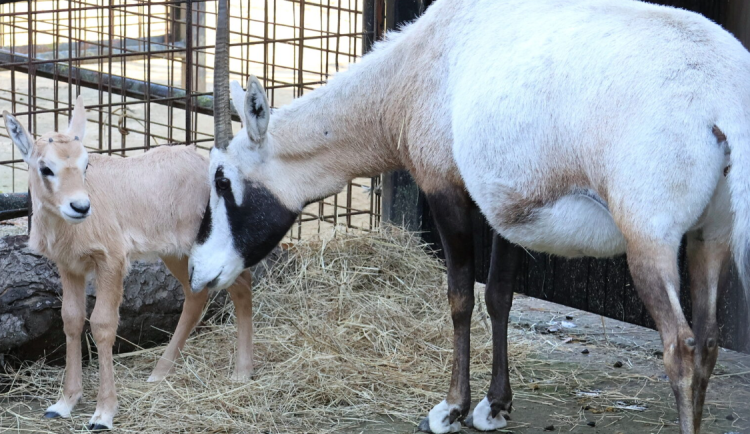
<point>243,220</point>
<point>57,165</point>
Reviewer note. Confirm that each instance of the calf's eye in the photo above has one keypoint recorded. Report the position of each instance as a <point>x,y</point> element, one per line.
<point>46,171</point>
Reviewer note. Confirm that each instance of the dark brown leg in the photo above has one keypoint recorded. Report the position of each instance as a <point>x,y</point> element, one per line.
<point>654,269</point>
<point>489,413</point>
<point>705,261</point>
<point>453,220</point>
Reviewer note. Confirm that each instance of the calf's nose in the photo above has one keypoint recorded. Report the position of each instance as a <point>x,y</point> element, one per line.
<point>81,206</point>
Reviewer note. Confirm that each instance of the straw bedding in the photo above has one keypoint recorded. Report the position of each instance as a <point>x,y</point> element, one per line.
<point>347,329</point>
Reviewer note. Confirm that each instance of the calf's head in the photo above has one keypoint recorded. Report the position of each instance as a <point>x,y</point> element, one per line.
<point>57,166</point>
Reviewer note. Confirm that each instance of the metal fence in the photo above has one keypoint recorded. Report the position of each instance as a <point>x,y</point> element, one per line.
<point>144,69</point>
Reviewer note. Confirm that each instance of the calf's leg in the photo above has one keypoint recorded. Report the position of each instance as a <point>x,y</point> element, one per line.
<point>242,297</point>
<point>74,317</point>
<point>104,321</point>
<point>192,309</point>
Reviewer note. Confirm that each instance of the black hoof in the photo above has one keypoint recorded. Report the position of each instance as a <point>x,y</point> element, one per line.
<point>51,414</point>
<point>424,426</point>
<point>98,427</point>
<point>469,421</point>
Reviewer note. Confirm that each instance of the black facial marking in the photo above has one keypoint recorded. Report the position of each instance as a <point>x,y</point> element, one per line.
<point>259,223</point>
<point>205,229</point>
<point>255,108</point>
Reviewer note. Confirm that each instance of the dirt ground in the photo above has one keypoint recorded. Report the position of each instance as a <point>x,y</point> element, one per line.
<point>633,399</point>
<point>569,389</point>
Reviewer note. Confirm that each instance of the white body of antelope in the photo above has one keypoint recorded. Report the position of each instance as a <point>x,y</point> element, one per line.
<point>93,214</point>
<point>578,127</point>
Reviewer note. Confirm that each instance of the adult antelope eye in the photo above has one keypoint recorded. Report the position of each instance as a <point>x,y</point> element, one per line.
<point>223,184</point>
<point>46,171</point>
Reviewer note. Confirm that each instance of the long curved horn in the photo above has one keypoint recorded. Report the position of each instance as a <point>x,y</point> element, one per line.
<point>222,115</point>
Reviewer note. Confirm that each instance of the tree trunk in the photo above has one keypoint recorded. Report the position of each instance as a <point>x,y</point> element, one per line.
<point>30,299</point>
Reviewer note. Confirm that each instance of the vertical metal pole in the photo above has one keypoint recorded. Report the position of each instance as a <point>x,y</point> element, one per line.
<point>188,71</point>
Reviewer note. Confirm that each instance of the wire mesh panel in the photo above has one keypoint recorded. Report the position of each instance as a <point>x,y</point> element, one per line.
<point>145,72</point>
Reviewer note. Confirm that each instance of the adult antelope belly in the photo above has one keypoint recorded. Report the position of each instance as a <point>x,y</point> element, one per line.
<point>577,224</point>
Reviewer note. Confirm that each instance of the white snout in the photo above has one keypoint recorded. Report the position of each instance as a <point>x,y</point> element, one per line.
<point>216,268</point>
<point>76,210</point>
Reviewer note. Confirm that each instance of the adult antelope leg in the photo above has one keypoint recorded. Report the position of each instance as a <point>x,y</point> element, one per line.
<point>73,316</point>
<point>453,220</point>
<point>104,320</point>
<point>192,310</point>
<point>242,297</point>
<point>705,261</point>
<point>488,414</point>
<point>655,273</point>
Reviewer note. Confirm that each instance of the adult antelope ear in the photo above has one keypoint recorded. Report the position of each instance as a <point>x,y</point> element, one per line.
<point>257,113</point>
<point>238,99</point>
<point>77,127</point>
<point>19,136</point>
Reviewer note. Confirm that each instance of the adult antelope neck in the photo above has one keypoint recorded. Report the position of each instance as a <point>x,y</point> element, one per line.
<point>222,115</point>
<point>365,121</point>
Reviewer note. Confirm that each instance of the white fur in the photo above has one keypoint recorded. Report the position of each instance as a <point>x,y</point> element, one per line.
<point>439,416</point>
<point>574,225</point>
<point>482,417</point>
<point>102,418</point>
<point>215,258</point>
<point>63,407</point>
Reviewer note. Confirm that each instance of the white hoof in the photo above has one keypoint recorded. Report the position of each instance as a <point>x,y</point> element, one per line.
<point>101,420</point>
<point>439,419</point>
<point>61,408</point>
<point>238,377</point>
<point>155,378</point>
<point>482,419</point>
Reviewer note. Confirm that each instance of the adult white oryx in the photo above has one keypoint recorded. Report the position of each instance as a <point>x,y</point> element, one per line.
<point>95,213</point>
<point>579,127</point>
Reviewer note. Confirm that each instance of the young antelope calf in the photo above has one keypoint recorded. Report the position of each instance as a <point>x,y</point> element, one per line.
<point>93,214</point>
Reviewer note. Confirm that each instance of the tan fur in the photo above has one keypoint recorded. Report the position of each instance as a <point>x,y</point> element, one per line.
<point>145,206</point>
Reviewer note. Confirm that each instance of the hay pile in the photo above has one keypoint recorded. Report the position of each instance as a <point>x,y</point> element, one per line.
<point>347,329</point>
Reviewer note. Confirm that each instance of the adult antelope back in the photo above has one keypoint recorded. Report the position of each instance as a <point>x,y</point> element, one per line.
<point>578,127</point>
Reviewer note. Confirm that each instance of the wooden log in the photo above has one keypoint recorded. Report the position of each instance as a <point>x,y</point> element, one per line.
<point>30,300</point>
